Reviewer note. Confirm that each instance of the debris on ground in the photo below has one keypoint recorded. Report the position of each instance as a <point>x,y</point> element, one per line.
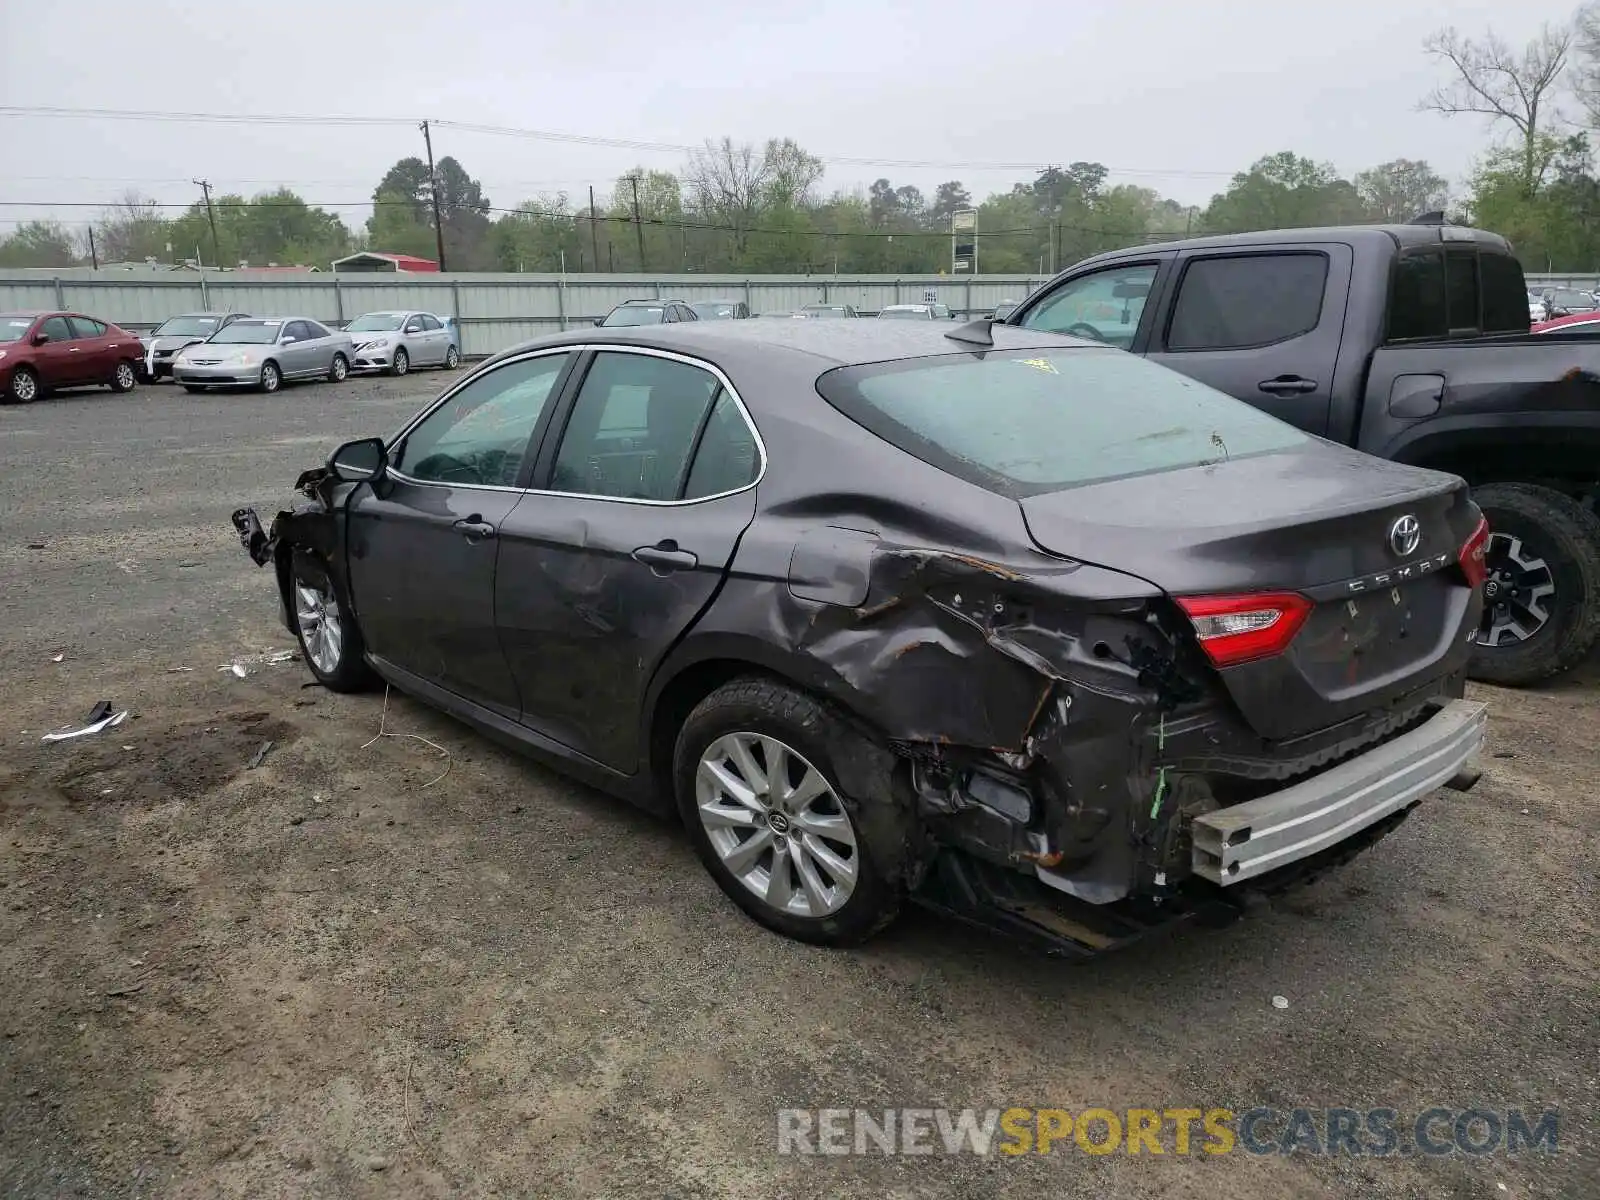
<point>383,719</point>
<point>271,658</point>
<point>100,718</point>
<point>238,669</point>
<point>60,657</point>
<point>1280,1002</point>
<point>178,670</point>
<point>259,755</point>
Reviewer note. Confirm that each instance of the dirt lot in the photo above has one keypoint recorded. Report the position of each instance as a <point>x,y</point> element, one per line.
<point>340,974</point>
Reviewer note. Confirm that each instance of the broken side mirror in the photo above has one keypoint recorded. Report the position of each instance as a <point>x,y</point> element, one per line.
<point>358,461</point>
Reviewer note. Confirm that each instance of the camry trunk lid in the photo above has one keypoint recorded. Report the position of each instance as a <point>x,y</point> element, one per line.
<point>1363,554</point>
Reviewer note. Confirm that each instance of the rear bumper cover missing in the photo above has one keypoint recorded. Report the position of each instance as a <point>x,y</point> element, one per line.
<point>1240,842</point>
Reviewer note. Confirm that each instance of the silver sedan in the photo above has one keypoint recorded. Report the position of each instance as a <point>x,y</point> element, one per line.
<point>263,353</point>
<point>397,341</point>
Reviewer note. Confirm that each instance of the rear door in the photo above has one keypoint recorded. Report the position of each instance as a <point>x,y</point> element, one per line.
<point>423,545</point>
<point>434,335</point>
<point>643,501</point>
<point>1260,323</point>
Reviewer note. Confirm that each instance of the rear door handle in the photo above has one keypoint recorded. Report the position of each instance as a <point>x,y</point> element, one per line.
<point>1287,385</point>
<point>665,556</point>
<point>475,528</point>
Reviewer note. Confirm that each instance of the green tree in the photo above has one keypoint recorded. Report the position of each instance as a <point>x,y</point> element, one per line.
<point>1395,192</point>
<point>1283,191</point>
<point>38,244</point>
<point>403,203</point>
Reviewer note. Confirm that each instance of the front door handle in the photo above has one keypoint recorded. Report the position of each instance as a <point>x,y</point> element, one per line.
<point>1287,385</point>
<point>665,556</point>
<point>475,528</point>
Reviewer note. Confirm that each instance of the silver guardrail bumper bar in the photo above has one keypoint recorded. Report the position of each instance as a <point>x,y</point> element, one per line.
<point>1249,839</point>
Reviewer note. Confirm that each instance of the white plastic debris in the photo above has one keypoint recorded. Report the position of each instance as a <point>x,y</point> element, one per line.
<point>60,658</point>
<point>1280,1002</point>
<point>238,670</point>
<point>96,727</point>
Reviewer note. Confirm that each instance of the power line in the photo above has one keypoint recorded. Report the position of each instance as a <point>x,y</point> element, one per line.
<point>545,135</point>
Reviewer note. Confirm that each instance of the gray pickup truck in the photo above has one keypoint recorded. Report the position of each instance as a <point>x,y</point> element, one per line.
<point>1409,342</point>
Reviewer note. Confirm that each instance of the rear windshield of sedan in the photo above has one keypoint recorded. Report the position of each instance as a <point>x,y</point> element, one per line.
<point>12,328</point>
<point>634,314</point>
<point>186,327</point>
<point>247,333</point>
<point>1024,422</point>
<point>905,314</point>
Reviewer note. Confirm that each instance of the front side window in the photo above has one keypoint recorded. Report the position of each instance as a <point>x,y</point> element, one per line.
<point>1033,421</point>
<point>479,435</point>
<point>88,327</point>
<point>1104,307</point>
<point>1249,300</point>
<point>57,329</point>
<point>633,428</point>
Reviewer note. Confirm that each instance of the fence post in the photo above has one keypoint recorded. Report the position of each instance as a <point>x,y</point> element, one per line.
<point>61,299</point>
<point>561,303</point>
<point>825,296</point>
<point>657,286</point>
<point>749,302</point>
<point>455,303</point>
<point>968,301</point>
<point>338,301</point>
<point>897,291</point>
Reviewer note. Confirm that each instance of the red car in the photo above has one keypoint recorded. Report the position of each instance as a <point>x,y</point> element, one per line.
<point>41,351</point>
<point>1585,322</point>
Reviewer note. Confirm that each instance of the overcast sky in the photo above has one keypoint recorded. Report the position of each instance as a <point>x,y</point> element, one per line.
<point>1171,94</point>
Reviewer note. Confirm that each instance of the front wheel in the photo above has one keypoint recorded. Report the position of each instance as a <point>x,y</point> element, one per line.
<point>339,369</point>
<point>757,788</point>
<point>124,379</point>
<point>271,377</point>
<point>24,387</point>
<point>328,635</point>
<point>1541,599</point>
<point>401,363</point>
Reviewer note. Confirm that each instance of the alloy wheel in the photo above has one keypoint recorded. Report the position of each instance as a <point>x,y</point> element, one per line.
<point>341,368</point>
<point>1516,592</point>
<point>452,358</point>
<point>321,628</point>
<point>24,387</point>
<point>270,378</point>
<point>777,824</point>
<point>125,377</point>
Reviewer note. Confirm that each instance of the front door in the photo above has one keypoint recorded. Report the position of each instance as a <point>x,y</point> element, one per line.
<point>423,542</point>
<point>297,357</point>
<point>59,360</point>
<point>606,566</point>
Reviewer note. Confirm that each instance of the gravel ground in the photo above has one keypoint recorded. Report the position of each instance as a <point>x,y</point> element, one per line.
<point>341,974</point>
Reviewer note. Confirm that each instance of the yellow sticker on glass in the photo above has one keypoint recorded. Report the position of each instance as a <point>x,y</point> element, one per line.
<point>1040,364</point>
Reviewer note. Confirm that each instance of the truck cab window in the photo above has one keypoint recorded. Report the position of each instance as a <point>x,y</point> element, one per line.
<point>1505,306</point>
<point>1461,291</point>
<point>1247,300</point>
<point>1417,297</point>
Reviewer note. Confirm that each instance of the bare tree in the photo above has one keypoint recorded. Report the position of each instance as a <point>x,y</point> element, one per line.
<point>1491,79</point>
<point>132,229</point>
<point>1394,192</point>
<point>733,184</point>
<point>1586,69</point>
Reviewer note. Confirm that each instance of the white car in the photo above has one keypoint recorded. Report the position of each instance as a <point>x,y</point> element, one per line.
<point>397,341</point>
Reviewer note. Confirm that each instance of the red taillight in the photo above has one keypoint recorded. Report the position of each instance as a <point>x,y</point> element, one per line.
<point>1472,551</point>
<point>1240,629</point>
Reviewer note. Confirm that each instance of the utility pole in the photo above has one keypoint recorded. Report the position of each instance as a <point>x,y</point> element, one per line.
<point>216,246</point>
<point>433,188</point>
<point>638,225</point>
<point>594,230</point>
<point>94,258</point>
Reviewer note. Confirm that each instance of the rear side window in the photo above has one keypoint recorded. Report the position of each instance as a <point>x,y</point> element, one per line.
<point>1026,422</point>
<point>727,458</point>
<point>1251,300</point>
<point>633,428</point>
<point>1505,294</point>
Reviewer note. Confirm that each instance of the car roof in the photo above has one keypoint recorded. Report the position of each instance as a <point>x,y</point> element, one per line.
<point>827,344</point>
<point>662,300</point>
<point>1405,237</point>
<point>38,312</point>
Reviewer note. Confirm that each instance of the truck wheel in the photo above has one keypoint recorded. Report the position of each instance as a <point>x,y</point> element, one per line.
<point>1541,612</point>
<point>757,789</point>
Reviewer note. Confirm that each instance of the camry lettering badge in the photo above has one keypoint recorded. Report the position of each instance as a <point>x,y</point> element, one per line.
<point>1405,535</point>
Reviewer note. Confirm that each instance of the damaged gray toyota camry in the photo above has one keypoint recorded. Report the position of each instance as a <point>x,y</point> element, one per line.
<point>1019,627</point>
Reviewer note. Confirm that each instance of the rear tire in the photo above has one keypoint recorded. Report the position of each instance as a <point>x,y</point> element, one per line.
<point>271,377</point>
<point>1539,539</point>
<point>24,387</point>
<point>452,359</point>
<point>124,378</point>
<point>338,369</point>
<point>401,363</point>
<point>791,852</point>
<point>329,640</point>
